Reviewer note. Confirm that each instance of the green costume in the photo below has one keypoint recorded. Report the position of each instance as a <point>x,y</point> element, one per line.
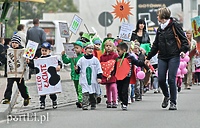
<point>74,76</point>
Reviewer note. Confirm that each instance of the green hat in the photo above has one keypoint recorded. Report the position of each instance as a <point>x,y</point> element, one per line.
<point>97,40</point>
<point>79,43</point>
<point>86,37</point>
<point>103,44</point>
<point>146,47</point>
<point>88,44</point>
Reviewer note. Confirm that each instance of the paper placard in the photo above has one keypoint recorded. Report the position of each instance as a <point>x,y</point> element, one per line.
<point>64,30</point>
<point>15,62</point>
<point>69,50</point>
<point>47,78</point>
<point>75,24</point>
<point>196,26</point>
<point>30,49</point>
<point>126,31</point>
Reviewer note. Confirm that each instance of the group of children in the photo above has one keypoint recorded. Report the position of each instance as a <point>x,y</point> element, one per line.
<point>96,63</point>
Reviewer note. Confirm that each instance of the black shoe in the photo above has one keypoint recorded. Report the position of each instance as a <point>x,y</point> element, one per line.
<point>98,100</point>
<point>165,102</point>
<point>79,105</point>
<point>93,107</point>
<point>109,105</point>
<point>26,101</point>
<point>54,104</point>
<point>42,105</point>
<point>6,101</point>
<point>172,106</point>
<point>179,89</point>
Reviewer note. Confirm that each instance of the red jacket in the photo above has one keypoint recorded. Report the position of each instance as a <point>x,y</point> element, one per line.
<point>105,58</point>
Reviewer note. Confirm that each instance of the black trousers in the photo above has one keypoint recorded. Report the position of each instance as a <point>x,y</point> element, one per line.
<point>53,97</point>
<point>122,87</point>
<point>21,86</point>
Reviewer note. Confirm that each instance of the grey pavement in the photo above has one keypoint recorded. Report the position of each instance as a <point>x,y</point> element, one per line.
<point>142,114</point>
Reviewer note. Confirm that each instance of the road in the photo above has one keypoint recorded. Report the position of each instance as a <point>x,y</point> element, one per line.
<point>142,114</point>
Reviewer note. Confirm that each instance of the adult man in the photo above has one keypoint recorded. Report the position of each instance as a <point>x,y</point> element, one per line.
<point>36,34</point>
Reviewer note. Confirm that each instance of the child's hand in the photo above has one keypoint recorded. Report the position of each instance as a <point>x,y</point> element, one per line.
<point>63,52</point>
<point>108,77</point>
<point>75,67</point>
<point>98,81</point>
<point>58,68</point>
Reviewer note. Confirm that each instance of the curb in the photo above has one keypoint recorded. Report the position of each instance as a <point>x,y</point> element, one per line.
<point>7,108</point>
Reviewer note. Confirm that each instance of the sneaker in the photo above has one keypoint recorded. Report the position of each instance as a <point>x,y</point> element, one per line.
<point>114,105</point>
<point>54,104</point>
<point>79,105</point>
<point>172,106</point>
<point>165,102</point>
<point>98,99</point>
<point>42,105</point>
<point>124,107</point>
<point>93,107</point>
<point>129,100</point>
<point>6,101</point>
<point>155,91</point>
<point>109,105</point>
<point>85,108</point>
<point>26,101</point>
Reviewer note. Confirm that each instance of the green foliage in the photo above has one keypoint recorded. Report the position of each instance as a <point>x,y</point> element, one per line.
<point>30,10</point>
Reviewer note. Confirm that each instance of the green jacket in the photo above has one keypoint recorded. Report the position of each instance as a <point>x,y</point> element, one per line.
<point>73,61</point>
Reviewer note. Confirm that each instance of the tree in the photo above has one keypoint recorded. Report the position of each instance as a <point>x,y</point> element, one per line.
<point>30,10</point>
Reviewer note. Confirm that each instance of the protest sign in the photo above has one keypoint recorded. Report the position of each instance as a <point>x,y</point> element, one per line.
<point>126,31</point>
<point>69,50</point>
<point>75,24</point>
<point>30,49</point>
<point>47,78</point>
<point>64,30</point>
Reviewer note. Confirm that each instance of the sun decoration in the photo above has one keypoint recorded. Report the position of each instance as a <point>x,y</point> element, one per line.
<point>122,10</point>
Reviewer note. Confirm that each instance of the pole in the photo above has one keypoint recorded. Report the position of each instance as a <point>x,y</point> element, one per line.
<point>19,12</point>
<point>105,23</point>
<point>6,28</point>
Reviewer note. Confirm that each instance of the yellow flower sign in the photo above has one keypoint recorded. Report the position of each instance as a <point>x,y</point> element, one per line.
<point>122,10</point>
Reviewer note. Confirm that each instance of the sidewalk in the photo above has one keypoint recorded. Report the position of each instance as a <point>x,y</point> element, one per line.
<point>5,109</point>
<point>68,95</point>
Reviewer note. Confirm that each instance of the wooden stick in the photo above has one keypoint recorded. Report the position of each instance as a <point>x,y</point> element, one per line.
<point>22,73</point>
<point>86,28</point>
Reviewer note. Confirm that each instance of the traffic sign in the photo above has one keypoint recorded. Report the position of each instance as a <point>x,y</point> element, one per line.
<point>105,19</point>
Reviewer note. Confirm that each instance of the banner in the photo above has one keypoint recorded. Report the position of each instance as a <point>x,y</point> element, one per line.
<point>47,78</point>
<point>30,49</point>
<point>64,30</point>
<point>15,62</point>
<point>126,31</point>
<point>76,22</point>
<point>69,50</point>
<point>146,9</point>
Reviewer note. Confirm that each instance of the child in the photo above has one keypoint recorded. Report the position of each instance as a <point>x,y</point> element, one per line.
<point>15,44</point>
<point>45,52</point>
<point>125,73</point>
<point>108,77</point>
<point>90,71</point>
<point>78,45</point>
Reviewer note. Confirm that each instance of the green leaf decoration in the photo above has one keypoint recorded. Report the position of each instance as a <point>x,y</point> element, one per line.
<point>89,75</point>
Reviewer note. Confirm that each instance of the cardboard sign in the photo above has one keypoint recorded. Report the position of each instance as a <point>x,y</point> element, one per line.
<point>30,50</point>
<point>126,31</point>
<point>64,30</point>
<point>15,62</point>
<point>76,22</point>
<point>69,50</point>
<point>47,78</point>
<point>196,26</point>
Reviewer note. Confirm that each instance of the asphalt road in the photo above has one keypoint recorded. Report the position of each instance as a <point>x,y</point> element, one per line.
<point>142,114</point>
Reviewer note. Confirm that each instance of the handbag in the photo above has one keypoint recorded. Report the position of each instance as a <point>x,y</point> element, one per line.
<point>178,41</point>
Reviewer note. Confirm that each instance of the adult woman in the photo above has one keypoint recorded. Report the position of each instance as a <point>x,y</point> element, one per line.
<point>168,55</point>
<point>140,34</point>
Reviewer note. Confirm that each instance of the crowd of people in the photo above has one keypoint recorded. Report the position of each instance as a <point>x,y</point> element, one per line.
<point>117,64</point>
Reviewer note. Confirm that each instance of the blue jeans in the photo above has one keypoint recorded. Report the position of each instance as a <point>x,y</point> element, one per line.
<point>132,90</point>
<point>170,65</point>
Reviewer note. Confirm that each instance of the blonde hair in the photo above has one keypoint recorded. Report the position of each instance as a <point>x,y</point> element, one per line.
<point>164,13</point>
<point>112,44</point>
